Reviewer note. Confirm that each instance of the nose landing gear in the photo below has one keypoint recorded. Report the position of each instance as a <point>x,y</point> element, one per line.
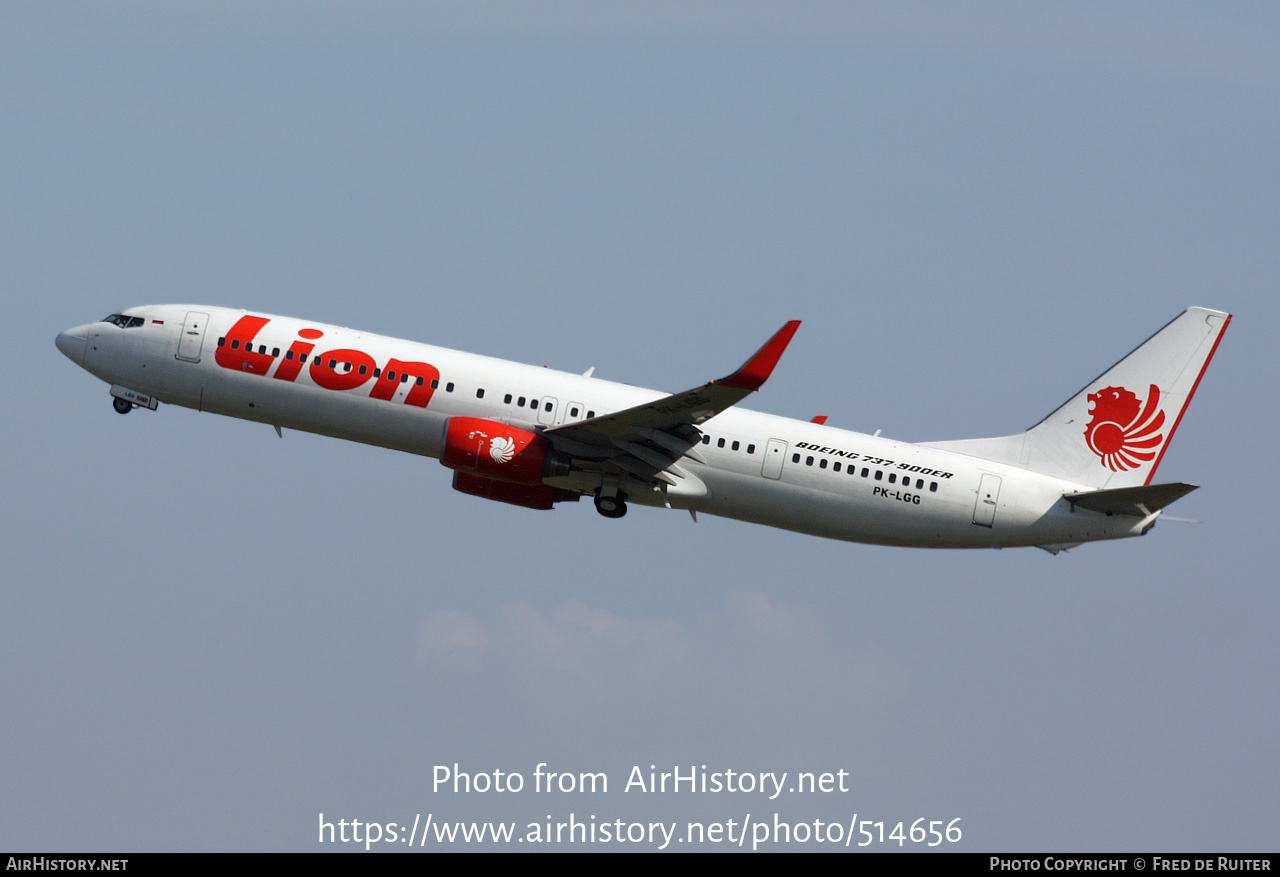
<point>612,506</point>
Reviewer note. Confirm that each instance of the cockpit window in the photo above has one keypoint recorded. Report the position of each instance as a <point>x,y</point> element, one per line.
<point>124,321</point>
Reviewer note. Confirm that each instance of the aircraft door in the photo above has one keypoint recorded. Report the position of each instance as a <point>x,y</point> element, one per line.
<point>192,337</point>
<point>547,410</point>
<point>775,454</point>
<point>984,510</point>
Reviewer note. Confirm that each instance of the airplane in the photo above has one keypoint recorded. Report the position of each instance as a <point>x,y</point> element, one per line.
<point>534,437</point>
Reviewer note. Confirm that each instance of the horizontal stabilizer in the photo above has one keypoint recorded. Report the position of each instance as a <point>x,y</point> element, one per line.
<point>1136,501</point>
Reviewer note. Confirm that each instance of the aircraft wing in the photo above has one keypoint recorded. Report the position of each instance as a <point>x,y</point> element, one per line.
<point>647,440</point>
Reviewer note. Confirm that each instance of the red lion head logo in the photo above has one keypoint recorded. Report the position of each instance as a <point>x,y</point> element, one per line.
<point>1122,432</point>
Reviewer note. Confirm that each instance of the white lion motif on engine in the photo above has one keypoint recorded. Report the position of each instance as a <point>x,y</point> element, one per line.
<point>502,449</point>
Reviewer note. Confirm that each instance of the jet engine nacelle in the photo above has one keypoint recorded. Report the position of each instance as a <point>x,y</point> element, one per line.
<point>495,450</point>
<point>530,496</point>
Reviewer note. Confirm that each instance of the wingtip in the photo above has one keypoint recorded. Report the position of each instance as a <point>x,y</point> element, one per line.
<point>756,370</point>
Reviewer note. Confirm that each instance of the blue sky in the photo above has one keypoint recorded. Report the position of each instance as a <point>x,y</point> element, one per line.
<point>211,635</point>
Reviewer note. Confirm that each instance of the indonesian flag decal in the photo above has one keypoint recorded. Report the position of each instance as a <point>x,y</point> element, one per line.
<point>1122,432</point>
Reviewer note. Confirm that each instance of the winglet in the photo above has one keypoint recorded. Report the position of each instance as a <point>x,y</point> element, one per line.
<point>756,370</point>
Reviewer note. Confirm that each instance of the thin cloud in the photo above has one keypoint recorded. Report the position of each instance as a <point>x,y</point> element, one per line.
<point>447,631</point>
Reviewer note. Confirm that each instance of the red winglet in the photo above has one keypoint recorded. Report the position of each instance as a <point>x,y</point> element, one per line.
<point>756,370</point>
<point>820,419</point>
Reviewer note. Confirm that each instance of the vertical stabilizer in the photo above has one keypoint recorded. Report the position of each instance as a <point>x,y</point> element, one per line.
<point>1114,432</point>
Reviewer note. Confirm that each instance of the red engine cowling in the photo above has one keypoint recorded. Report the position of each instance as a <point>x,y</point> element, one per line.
<point>497,451</point>
<point>531,496</point>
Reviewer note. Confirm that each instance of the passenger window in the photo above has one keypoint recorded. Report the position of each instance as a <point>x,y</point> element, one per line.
<point>822,464</point>
<point>590,414</point>
<point>919,483</point>
<point>364,369</point>
<point>235,345</point>
<point>480,394</point>
<point>507,399</point>
<point>735,446</point>
<point>222,342</point>
<point>795,458</point>
<point>836,467</point>
<point>420,381</point>
<point>546,406</point>
<point>751,449</point>
<point>893,479</point>
<point>391,376</point>
<point>865,472</point>
<point>706,440</point>
<point>573,412</point>
<point>720,443</point>
<point>448,388</point>
<point>933,487</point>
<point>808,461</point>
<point>275,353</point>
<point>404,377</point>
<point>879,475</point>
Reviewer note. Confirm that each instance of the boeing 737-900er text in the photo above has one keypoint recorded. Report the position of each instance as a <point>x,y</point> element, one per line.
<point>534,437</point>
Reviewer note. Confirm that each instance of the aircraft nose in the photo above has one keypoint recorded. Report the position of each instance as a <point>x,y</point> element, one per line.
<point>72,343</point>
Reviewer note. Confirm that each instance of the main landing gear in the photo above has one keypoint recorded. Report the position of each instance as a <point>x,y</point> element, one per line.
<point>611,506</point>
<point>123,406</point>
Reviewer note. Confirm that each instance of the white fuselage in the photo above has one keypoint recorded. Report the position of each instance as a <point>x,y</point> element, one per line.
<point>756,467</point>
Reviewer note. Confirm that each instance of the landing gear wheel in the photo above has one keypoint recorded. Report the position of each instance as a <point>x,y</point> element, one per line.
<point>612,506</point>
<point>123,406</point>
